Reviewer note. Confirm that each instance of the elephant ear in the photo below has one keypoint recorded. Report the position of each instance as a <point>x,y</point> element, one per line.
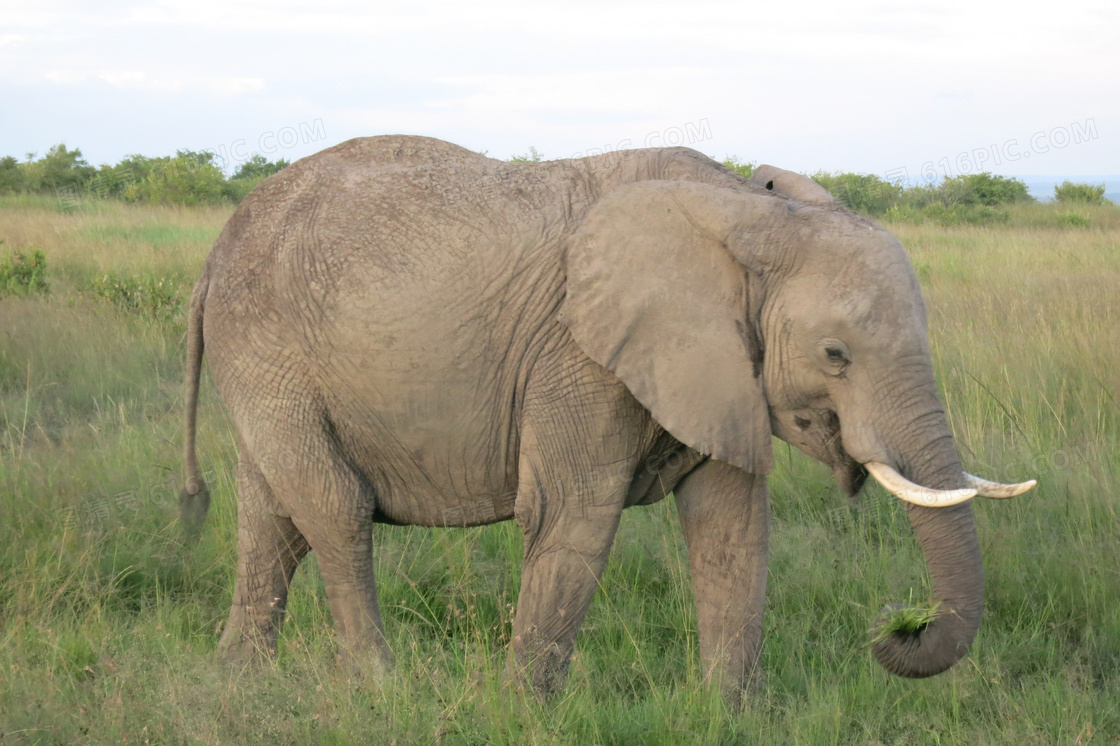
<point>654,295</point>
<point>792,185</point>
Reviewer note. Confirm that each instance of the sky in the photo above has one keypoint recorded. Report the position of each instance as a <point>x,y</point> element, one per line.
<point>901,90</point>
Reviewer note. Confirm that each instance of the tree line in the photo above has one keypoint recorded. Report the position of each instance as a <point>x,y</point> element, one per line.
<point>965,199</point>
<point>193,178</point>
<point>187,178</point>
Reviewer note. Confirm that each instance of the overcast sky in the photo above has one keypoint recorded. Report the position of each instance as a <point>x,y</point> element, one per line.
<point>870,87</point>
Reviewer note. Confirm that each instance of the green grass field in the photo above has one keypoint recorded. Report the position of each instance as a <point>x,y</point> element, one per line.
<point>108,625</point>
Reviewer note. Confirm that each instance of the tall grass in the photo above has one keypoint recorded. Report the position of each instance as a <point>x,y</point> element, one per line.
<point>108,625</point>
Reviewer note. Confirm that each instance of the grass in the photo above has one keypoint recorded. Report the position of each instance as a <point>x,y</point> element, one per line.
<point>907,620</point>
<point>108,625</point>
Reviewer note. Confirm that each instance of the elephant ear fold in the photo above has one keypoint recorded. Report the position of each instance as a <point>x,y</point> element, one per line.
<point>792,185</point>
<point>654,296</point>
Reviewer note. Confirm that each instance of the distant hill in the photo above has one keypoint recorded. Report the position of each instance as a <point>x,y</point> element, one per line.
<point>1042,187</point>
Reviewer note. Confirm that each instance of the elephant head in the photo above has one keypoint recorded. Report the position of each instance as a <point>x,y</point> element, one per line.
<point>739,310</point>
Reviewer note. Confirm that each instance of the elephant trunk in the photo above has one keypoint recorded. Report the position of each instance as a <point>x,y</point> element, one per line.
<point>948,540</point>
<point>947,537</point>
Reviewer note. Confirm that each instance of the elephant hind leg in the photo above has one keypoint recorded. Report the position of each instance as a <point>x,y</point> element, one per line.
<point>270,548</point>
<point>333,507</point>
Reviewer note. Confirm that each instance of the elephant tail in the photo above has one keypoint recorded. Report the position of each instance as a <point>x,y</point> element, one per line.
<point>194,500</point>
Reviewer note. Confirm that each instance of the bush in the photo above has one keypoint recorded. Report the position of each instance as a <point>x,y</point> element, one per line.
<point>964,214</point>
<point>11,178</point>
<point>189,178</point>
<point>1082,194</point>
<point>115,181</point>
<point>743,168</point>
<point>258,167</point>
<point>983,189</point>
<point>58,169</point>
<point>863,193</point>
<point>1073,220</point>
<point>236,190</point>
<point>904,213</point>
<point>23,274</point>
<point>533,156</point>
<point>158,296</point>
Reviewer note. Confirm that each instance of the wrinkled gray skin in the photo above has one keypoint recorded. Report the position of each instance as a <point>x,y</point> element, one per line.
<point>408,332</point>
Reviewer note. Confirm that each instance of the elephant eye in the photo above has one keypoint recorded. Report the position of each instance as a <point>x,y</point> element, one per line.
<point>838,359</point>
<point>837,356</point>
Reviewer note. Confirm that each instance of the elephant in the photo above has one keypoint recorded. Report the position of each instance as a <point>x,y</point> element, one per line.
<point>407,332</point>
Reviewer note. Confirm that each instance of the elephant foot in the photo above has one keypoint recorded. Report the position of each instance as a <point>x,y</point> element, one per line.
<point>247,646</point>
<point>544,672</point>
<point>369,659</point>
<point>742,695</point>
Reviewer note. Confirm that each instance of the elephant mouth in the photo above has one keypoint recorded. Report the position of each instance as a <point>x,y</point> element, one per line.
<point>850,475</point>
<point>817,432</point>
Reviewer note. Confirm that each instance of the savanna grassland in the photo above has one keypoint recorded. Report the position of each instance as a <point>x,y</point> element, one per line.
<point>108,624</point>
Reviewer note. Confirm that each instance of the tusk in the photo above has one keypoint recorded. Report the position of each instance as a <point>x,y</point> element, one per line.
<point>901,487</point>
<point>997,490</point>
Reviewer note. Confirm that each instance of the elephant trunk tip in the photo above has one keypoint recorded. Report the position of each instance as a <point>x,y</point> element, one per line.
<point>924,644</point>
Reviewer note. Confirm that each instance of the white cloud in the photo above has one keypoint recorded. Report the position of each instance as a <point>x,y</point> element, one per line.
<point>215,84</point>
<point>633,90</point>
<point>863,85</point>
<point>64,77</point>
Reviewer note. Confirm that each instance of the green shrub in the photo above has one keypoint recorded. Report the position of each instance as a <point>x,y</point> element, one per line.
<point>23,274</point>
<point>258,167</point>
<point>1083,194</point>
<point>113,181</point>
<point>983,189</point>
<point>533,156</point>
<point>129,176</point>
<point>964,214</point>
<point>58,169</point>
<point>904,213</point>
<point>236,190</point>
<point>863,193</point>
<point>922,196</point>
<point>11,178</point>
<point>159,297</point>
<point>743,168</point>
<point>189,178</point>
<point>1073,220</point>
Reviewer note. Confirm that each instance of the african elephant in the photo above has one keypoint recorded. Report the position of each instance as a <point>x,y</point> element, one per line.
<point>405,331</point>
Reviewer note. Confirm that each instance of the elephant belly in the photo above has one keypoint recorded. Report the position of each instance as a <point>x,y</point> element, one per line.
<point>436,452</point>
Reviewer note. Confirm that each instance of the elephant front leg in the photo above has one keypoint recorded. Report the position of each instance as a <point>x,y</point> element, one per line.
<point>569,521</point>
<point>725,514</point>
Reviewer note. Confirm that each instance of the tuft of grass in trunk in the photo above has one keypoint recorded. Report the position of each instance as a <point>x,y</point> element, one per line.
<point>908,620</point>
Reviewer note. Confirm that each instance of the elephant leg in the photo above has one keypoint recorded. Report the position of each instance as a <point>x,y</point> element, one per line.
<point>571,492</point>
<point>333,509</point>
<point>269,550</point>
<point>568,537</point>
<point>725,515</point>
